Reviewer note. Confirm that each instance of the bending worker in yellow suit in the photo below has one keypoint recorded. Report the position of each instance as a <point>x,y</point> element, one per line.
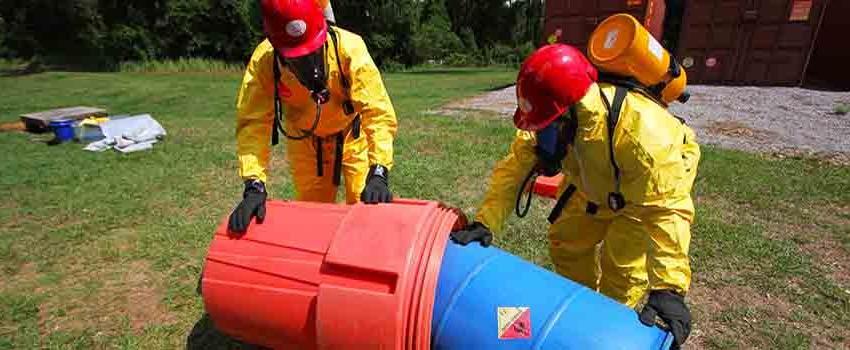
<point>339,122</point>
<point>629,167</point>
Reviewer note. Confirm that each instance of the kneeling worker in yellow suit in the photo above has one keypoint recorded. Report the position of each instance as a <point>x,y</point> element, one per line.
<point>629,166</point>
<point>339,121</point>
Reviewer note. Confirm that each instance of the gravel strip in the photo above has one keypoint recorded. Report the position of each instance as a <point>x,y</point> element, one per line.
<point>776,120</point>
<point>769,119</point>
<point>500,101</point>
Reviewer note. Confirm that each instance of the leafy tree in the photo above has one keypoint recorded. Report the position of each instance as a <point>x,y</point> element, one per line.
<point>105,32</point>
<point>387,26</point>
<point>434,37</point>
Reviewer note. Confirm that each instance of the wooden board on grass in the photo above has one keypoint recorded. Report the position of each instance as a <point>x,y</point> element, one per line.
<point>39,121</point>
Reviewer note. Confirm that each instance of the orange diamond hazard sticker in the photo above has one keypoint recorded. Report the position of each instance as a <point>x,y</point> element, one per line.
<point>514,322</point>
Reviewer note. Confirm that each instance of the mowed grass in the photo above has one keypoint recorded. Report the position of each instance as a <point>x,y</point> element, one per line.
<point>104,250</point>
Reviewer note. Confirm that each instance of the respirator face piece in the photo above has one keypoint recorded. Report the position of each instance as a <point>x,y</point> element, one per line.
<point>311,71</point>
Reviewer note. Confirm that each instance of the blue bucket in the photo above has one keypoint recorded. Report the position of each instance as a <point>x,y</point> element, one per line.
<point>63,129</point>
<point>489,299</point>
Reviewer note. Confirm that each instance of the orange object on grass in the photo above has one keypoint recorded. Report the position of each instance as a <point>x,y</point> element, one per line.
<point>364,276</point>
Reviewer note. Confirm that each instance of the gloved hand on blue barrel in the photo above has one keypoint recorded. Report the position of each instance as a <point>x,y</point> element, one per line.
<point>670,307</point>
<point>475,232</point>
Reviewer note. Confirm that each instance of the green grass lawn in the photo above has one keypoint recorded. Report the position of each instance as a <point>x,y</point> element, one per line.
<point>104,250</point>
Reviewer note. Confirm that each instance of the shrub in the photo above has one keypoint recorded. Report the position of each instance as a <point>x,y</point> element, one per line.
<point>841,109</point>
<point>458,59</point>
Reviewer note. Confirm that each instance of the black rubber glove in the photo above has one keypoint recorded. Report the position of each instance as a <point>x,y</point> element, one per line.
<point>671,308</point>
<point>377,186</point>
<point>253,204</point>
<point>474,232</point>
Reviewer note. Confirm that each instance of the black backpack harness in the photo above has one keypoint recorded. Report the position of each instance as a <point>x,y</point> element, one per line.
<point>550,165</point>
<point>347,107</point>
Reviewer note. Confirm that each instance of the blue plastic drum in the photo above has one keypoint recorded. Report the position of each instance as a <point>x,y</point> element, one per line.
<point>489,299</point>
<point>63,129</point>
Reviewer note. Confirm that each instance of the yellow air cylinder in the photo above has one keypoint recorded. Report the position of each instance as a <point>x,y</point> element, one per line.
<point>327,10</point>
<point>620,45</point>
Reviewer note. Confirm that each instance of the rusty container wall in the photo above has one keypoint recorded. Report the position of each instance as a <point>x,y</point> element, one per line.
<point>752,42</point>
<point>572,21</point>
<point>829,66</point>
<point>656,11</point>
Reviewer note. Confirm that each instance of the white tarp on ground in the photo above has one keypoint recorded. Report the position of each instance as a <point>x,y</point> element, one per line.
<point>129,134</point>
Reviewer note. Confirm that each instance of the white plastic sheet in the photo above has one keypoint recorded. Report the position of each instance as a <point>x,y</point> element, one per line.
<point>130,134</point>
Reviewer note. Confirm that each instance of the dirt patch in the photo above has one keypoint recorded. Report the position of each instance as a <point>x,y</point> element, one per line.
<point>723,314</point>
<point>14,220</point>
<point>13,126</point>
<point>105,299</point>
<point>117,241</point>
<point>832,158</point>
<point>785,223</point>
<point>502,102</point>
<point>27,274</point>
<point>814,236</point>
<point>468,190</point>
<point>834,259</point>
<point>738,129</point>
<point>143,303</point>
<point>426,149</point>
<point>727,305</point>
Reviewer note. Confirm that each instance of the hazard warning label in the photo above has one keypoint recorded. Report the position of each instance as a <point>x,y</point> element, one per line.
<point>514,322</point>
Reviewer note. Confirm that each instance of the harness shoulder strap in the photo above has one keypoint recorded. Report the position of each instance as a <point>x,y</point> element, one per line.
<point>571,129</point>
<point>614,114</point>
<point>347,105</point>
<point>343,78</point>
<point>612,119</point>
<point>616,201</point>
<point>277,104</point>
<point>562,203</point>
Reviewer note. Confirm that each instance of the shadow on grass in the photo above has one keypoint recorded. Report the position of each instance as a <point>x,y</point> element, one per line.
<point>58,63</point>
<point>205,336</point>
<point>453,71</point>
<point>40,65</point>
<point>501,87</point>
<point>20,71</point>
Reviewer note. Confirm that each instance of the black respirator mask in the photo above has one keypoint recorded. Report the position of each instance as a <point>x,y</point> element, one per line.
<point>551,148</point>
<point>311,71</point>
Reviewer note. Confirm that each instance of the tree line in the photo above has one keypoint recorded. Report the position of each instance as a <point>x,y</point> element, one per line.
<point>398,32</point>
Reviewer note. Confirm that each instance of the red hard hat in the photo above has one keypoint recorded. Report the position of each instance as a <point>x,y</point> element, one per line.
<point>551,80</point>
<point>295,27</point>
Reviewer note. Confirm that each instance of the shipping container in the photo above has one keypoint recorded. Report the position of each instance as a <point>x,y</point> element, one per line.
<point>735,42</point>
<point>829,66</point>
<point>753,42</point>
<point>572,21</point>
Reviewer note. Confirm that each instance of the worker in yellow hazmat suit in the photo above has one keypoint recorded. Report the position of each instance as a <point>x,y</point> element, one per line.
<point>629,165</point>
<point>317,85</point>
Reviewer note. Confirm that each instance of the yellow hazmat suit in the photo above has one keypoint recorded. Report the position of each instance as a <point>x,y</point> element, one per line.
<point>255,113</point>
<point>643,246</point>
